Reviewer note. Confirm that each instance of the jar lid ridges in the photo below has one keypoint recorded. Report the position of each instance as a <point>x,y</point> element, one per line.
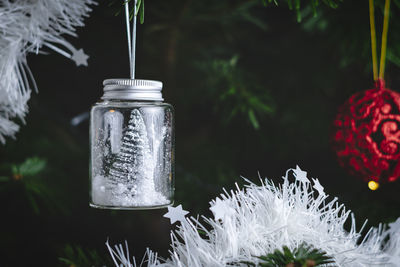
<point>132,89</point>
<point>134,83</point>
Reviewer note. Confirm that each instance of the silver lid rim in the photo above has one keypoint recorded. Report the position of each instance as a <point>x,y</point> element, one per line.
<point>132,89</point>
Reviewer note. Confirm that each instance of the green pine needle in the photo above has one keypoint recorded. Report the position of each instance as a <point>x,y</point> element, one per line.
<point>295,5</point>
<point>302,256</point>
<point>79,257</point>
<point>30,167</point>
<point>139,9</point>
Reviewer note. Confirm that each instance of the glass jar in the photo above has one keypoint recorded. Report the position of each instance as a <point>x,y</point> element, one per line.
<point>132,147</point>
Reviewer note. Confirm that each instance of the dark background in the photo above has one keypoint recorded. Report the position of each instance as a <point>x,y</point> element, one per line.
<point>255,93</point>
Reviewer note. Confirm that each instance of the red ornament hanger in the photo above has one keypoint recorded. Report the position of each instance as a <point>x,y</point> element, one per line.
<point>367,128</point>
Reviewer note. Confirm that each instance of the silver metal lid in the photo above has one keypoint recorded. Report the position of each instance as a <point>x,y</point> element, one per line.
<point>129,89</point>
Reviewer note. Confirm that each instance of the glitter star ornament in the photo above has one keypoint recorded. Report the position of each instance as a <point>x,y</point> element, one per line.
<point>301,175</point>
<point>176,214</point>
<point>79,57</point>
<point>366,135</point>
<point>317,186</point>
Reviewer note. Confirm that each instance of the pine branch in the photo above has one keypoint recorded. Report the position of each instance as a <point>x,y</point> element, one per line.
<point>237,90</point>
<point>292,4</point>
<point>296,5</point>
<point>302,256</point>
<point>30,167</point>
<point>27,177</point>
<point>139,9</point>
<point>79,257</point>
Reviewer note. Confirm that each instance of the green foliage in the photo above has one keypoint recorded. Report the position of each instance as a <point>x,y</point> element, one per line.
<point>30,167</point>
<point>139,9</point>
<point>292,4</point>
<point>76,256</point>
<point>296,5</point>
<point>302,256</point>
<point>358,28</point>
<point>236,92</point>
<point>26,176</point>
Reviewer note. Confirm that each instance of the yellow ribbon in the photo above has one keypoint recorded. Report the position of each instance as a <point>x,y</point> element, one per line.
<point>384,39</point>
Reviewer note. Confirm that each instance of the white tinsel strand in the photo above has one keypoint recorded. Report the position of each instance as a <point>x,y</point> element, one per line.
<point>25,27</point>
<point>393,247</point>
<point>119,255</point>
<point>257,220</point>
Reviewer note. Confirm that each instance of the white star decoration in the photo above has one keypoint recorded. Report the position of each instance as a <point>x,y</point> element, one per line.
<point>176,214</point>
<point>317,186</point>
<point>220,209</point>
<point>79,57</point>
<point>300,175</point>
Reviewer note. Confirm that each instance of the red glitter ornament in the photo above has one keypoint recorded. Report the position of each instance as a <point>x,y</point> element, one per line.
<point>367,134</point>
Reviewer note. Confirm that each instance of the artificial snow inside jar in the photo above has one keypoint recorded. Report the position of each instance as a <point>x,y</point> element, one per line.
<point>132,147</point>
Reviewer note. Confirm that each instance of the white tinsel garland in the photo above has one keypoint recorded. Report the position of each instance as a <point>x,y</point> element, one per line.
<point>26,26</point>
<point>260,219</point>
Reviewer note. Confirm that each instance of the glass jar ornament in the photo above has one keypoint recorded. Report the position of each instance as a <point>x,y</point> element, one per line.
<point>132,147</point>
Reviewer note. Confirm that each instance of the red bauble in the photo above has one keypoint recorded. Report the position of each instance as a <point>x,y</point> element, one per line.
<point>366,135</point>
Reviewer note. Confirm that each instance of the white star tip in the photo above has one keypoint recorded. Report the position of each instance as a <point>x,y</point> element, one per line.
<point>317,186</point>
<point>79,57</point>
<point>176,214</point>
<point>300,175</point>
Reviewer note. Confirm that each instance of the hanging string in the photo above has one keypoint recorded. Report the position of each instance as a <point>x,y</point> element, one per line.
<point>128,33</point>
<point>384,40</point>
<point>373,39</point>
<point>133,60</point>
<point>131,41</point>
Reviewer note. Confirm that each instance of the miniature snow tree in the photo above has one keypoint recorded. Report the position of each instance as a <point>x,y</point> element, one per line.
<point>132,161</point>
